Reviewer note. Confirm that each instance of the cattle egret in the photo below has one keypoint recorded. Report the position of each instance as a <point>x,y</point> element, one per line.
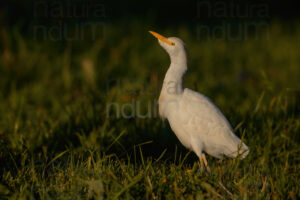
<point>195,119</point>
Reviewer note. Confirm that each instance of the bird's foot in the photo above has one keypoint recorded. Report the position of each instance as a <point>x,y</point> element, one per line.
<point>205,163</point>
<point>192,170</point>
<point>208,169</point>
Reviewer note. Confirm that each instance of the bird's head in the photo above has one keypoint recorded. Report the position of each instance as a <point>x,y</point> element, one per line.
<point>173,45</point>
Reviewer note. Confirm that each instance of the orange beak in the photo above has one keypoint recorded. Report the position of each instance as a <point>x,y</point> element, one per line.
<point>162,38</point>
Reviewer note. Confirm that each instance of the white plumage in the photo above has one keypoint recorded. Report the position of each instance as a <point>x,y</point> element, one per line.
<point>197,122</point>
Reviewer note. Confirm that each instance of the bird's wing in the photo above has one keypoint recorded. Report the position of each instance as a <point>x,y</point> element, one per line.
<point>205,122</point>
<point>203,115</point>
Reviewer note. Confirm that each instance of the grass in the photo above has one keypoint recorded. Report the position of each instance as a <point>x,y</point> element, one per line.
<point>61,137</point>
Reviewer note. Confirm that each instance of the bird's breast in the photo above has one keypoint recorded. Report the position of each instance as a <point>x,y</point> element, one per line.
<point>168,105</point>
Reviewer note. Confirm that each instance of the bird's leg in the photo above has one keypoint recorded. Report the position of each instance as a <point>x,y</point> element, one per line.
<point>205,162</point>
<point>201,163</point>
<point>220,169</point>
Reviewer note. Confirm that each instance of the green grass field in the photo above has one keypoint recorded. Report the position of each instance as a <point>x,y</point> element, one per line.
<point>61,136</point>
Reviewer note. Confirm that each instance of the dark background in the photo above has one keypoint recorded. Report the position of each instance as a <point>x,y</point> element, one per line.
<point>158,12</point>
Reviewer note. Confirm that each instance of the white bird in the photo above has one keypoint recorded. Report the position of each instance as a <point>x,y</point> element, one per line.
<point>195,119</point>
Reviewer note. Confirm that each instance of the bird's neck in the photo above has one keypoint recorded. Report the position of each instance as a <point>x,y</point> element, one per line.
<point>173,79</point>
